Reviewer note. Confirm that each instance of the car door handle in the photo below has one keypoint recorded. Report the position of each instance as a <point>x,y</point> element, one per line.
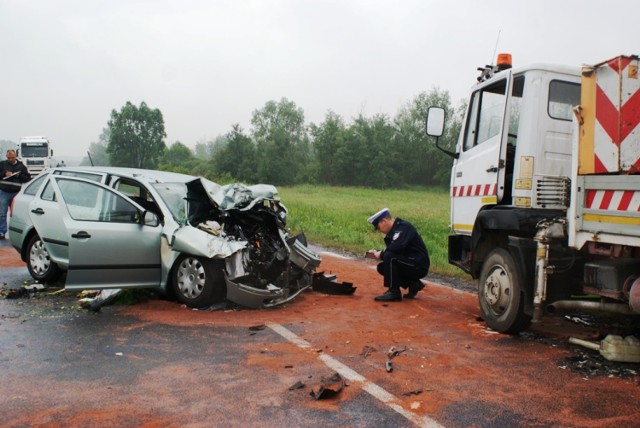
<point>493,169</point>
<point>38,211</point>
<point>81,235</point>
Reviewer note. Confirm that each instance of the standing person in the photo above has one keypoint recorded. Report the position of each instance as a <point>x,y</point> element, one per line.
<point>404,260</point>
<point>11,171</point>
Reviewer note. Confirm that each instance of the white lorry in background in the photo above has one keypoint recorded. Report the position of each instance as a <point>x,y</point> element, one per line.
<point>545,190</point>
<point>35,153</point>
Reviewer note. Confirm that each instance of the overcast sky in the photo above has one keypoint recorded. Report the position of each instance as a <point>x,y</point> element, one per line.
<point>208,64</point>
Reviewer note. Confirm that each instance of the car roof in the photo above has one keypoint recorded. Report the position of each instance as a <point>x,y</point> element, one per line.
<point>147,175</point>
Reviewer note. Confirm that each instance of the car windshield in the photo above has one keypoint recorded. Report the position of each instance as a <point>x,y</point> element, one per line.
<point>174,196</point>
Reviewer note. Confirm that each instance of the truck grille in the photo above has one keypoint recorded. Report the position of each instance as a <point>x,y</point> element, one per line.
<point>35,162</point>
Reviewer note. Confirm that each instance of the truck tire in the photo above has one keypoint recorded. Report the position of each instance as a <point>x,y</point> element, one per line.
<point>198,282</point>
<point>500,294</point>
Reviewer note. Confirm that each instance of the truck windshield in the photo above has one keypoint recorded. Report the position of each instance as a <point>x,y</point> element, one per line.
<point>34,151</point>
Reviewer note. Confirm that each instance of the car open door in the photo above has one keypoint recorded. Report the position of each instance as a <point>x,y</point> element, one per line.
<point>109,245</point>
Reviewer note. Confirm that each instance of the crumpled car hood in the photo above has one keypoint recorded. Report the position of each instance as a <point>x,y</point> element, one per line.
<point>236,195</point>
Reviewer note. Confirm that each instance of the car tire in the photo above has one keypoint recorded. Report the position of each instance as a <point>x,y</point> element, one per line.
<point>198,282</point>
<point>500,294</point>
<point>39,263</point>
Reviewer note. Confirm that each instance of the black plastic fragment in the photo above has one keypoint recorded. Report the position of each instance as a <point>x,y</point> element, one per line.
<point>296,385</point>
<point>328,285</point>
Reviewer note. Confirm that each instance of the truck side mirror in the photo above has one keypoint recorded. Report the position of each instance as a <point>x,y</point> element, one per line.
<point>435,121</point>
<point>435,127</point>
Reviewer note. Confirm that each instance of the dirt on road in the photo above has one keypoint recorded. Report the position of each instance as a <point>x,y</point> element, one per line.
<point>448,368</point>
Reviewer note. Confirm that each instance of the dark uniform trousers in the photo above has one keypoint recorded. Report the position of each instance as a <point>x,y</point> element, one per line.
<point>399,271</point>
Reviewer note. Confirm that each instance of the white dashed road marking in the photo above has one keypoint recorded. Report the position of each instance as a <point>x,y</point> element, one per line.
<point>374,390</point>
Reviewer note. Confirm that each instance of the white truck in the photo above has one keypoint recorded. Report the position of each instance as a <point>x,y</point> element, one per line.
<point>545,190</point>
<point>35,153</point>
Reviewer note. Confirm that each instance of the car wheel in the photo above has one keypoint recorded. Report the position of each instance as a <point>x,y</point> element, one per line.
<point>199,282</point>
<point>39,263</point>
<point>500,294</point>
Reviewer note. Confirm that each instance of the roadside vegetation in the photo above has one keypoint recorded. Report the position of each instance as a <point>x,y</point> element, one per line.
<point>336,217</point>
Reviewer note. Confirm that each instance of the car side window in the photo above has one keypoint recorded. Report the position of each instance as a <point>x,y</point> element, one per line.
<point>48,193</point>
<point>89,202</point>
<point>32,188</point>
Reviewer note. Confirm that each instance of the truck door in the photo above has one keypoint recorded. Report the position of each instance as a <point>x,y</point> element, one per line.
<point>478,173</point>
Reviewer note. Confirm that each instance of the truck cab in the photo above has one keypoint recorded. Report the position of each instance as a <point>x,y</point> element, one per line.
<point>545,190</point>
<point>514,151</point>
<point>35,153</point>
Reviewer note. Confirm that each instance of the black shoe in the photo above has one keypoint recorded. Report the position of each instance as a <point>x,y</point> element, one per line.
<point>415,286</point>
<point>389,296</point>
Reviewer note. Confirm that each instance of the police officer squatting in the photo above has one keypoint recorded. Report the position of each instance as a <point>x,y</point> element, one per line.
<point>404,261</point>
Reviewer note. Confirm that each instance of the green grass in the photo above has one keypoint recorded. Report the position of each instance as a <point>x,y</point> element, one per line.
<point>336,217</point>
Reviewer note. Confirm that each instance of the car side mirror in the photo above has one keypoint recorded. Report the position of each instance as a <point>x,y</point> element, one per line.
<point>150,219</point>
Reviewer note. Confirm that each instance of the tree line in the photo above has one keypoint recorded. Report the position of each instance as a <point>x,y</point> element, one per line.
<point>280,148</point>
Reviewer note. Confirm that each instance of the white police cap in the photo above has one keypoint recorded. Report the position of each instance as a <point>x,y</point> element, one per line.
<point>375,219</point>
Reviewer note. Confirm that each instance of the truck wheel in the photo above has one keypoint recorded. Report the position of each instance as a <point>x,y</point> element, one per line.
<point>501,295</point>
<point>39,264</point>
<point>198,282</point>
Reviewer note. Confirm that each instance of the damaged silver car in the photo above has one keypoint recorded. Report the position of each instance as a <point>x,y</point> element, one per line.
<point>111,228</point>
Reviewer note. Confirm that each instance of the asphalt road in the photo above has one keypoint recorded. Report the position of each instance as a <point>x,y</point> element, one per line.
<point>157,363</point>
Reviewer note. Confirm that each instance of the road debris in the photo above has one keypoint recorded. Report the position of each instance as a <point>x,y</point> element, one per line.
<point>102,298</point>
<point>367,350</point>
<point>394,352</point>
<point>327,284</point>
<point>614,347</point>
<point>391,354</point>
<point>257,327</point>
<point>329,387</point>
<point>414,392</point>
<point>296,385</point>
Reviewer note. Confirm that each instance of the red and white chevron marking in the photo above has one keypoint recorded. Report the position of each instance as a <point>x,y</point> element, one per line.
<point>474,190</point>
<point>617,116</point>
<point>613,200</point>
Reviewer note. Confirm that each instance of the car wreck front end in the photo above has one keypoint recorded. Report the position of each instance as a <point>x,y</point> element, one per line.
<point>245,227</point>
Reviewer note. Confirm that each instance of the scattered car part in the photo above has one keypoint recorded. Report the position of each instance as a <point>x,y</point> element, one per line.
<point>257,327</point>
<point>328,285</point>
<point>614,347</point>
<point>296,385</point>
<point>391,354</point>
<point>414,392</point>
<point>329,387</point>
<point>104,297</point>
